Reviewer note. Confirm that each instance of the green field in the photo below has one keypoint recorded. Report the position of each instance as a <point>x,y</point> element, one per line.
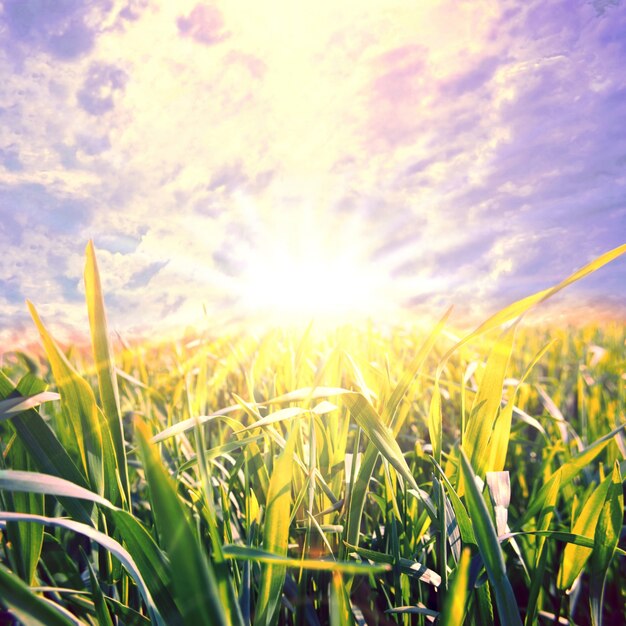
<point>360,476</point>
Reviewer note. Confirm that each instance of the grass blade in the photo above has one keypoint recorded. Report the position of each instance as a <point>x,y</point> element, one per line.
<point>606,538</point>
<point>487,402</point>
<point>247,553</point>
<point>276,533</point>
<point>575,557</point>
<point>489,548</point>
<point>80,409</point>
<point>455,602</point>
<point>105,367</point>
<point>28,607</point>
<point>195,587</point>
<point>104,540</point>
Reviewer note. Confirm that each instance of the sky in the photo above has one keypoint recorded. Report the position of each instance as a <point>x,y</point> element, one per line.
<point>245,160</point>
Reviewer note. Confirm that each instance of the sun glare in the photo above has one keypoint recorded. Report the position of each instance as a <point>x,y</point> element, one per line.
<point>298,279</point>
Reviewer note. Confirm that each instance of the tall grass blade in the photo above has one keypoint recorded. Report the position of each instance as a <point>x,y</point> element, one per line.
<point>541,553</point>
<point>575,557</point>
<point>489,548</point>
<point>12,406</point>
<point>520,307</point>
<point>276,533</point>
<point>195,586</point>
<point>487,403</point>
<point>455,602</point>
<point>82,413</point>
<point>606,538</point>
<point>105,367</point>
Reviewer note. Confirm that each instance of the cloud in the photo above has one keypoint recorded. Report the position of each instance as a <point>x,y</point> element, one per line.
<point>101,86</point>
<point>61,28</point>
<point>204,25</point>
<point>33,207</point>
<point>142,277</point>
<point>10,159</point>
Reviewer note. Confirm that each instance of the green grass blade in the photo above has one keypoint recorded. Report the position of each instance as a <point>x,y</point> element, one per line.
<point>575,557</point>
<point>276,533</point>
<point>568,471</point>
<point>28,607</point>
<point>499,441</point>
<point>35,482</point>
<point>605,542</point>
<point>195,586</point>
<point>379,434</point>
<point>541,553</point>
<point>26,539</point>
<point>12,406</point>
<point>489,548</point>
<point>115,548</point>
<point>521,306</point>
<point>339,603</point>
<point>151,562</point>
<point>101,610</point>
<point>44,449</point>
<point>105,367</point>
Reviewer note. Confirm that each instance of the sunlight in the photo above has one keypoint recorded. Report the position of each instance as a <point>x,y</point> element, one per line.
<point>299,278</point>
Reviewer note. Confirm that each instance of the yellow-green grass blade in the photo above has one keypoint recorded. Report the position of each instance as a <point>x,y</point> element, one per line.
<point>487,403</point>
<point>568,471</point>
<point>105,367</point>
<point>559,535</point>
<point>112,546</point>
<point>462,518</point>
<point>499,441</point>
<point>435,422</point>
<point>379,434</point>
<point>44,449</point>
<point>195,585</point>
<point>520,307</point>
<point>489,547</point>
<point>27,606</point>
<point>247,553</point>
<point>575,557</point>
<point>276,533</point>
<point>81,411</point>
<point>339,604</point>
<point>455,601</point>
<point>606,538</point>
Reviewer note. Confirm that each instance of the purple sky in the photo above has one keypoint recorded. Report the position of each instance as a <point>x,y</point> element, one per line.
<point>416,154</point>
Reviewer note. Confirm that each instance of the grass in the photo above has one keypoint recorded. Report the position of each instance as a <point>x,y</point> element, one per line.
<point>357,477</point>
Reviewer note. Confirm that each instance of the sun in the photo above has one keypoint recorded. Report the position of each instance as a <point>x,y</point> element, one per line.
<point>324,275</point>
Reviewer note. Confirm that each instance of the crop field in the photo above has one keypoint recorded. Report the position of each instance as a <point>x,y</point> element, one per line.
<point>366,475</point>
